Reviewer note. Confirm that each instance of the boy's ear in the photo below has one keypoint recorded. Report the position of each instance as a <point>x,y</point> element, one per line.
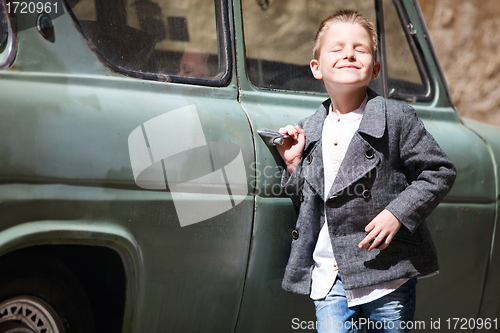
<point>315,69</point>
<point>376,70</point>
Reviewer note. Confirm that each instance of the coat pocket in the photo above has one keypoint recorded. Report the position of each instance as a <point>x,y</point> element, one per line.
<point>404,235</point>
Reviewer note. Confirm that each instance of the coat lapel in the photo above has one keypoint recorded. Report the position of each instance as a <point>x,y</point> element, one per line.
<point>373,122</point>
<point>313,126</point>
<point>361,157</point>
<point>312,168</point>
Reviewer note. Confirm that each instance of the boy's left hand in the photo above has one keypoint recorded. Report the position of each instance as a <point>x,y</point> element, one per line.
<point>382,228</point>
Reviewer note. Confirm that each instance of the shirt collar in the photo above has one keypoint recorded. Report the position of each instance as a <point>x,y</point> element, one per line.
<point>350,116</point>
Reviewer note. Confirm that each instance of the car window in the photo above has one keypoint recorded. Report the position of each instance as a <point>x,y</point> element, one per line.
<point>406,78</point>
<point>161,39</point>
<point>279,39</point>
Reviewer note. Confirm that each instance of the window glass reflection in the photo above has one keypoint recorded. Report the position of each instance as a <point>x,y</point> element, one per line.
<point>403,75</point>
<point>168,37</point>
<point>279,39</point>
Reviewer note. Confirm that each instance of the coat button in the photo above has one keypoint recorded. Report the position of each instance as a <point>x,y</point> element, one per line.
<point>309,159</point>
<point>366,194</point>
<point>369,154</point>
<point>301,197</point>
<point>295,234</point>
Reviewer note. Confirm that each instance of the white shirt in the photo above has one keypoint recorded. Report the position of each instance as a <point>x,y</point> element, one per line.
<point>338,131</point>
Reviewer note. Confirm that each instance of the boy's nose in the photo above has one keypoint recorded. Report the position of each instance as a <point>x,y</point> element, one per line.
<point>350,56</point>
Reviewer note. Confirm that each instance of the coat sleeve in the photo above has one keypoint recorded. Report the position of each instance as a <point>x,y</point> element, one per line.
<point>429,171</point>
<point>292,184</point>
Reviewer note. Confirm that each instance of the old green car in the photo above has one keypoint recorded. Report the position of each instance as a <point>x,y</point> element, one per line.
<point>137,196</point>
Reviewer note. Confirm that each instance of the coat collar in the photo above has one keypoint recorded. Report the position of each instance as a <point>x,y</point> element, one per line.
<point>373,122</point>
<point>374,117</point>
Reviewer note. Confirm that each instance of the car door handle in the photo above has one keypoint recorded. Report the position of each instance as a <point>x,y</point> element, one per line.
<point>272,138</point>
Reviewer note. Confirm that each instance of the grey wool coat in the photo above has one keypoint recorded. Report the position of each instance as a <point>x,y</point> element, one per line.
<point>391,163</point>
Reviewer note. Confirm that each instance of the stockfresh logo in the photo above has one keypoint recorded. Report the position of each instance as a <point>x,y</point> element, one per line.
<point>171,151</point>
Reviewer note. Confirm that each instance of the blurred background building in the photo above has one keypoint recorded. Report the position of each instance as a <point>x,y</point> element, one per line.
<point>466,36</point>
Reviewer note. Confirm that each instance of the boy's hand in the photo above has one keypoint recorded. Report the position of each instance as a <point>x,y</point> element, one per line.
<point>384,226</point>
<point>292,147</point>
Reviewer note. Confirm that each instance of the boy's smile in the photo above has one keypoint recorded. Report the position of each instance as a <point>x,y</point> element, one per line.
<point>345,58</point>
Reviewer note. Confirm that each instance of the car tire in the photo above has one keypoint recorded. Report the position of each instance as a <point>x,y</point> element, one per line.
<point>39,293</point>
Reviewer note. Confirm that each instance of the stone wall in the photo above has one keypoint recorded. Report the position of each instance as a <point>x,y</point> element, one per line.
<point>466,36</point>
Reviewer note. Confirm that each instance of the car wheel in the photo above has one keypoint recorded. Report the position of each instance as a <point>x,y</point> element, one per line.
<point>29,314</point>
<point>38,293</point>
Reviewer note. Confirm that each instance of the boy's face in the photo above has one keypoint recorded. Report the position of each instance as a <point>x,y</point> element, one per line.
<point>345,58</point>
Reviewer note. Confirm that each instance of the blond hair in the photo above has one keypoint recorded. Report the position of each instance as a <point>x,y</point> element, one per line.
<point>345,16</point>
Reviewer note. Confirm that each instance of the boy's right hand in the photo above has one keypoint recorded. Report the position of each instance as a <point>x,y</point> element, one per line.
<point>292,147</point>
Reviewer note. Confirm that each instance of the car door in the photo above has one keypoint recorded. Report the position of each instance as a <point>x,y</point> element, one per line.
<point>127,119</point>
<point>277,89</point>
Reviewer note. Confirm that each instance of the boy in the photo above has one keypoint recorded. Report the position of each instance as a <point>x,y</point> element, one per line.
<point>364,172</point>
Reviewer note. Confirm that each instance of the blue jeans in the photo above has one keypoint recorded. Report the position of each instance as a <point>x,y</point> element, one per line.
<point>388,314</point>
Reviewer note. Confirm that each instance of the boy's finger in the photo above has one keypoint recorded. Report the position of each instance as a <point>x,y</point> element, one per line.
<point>363,242</point>
<point>386,243</point>
<point>289,130</point>
<point>376,241</point>
<point>367,240</point>
<point>286,129</point>
<point>298,131</point>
